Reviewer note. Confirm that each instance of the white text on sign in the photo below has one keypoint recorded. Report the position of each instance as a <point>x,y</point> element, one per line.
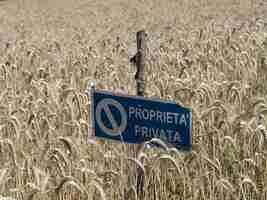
<point>156,115</point>
<point>169,135</point>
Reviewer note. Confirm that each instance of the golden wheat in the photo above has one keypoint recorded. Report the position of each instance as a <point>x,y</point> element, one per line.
<point>206,55</point>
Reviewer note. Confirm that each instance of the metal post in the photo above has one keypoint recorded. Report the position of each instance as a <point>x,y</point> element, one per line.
<point>139,60</point>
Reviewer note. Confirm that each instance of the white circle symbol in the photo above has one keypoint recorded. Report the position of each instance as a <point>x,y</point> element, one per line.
<point>116,129</point>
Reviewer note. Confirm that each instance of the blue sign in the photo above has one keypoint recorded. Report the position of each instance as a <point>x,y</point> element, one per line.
<point>135,119</point>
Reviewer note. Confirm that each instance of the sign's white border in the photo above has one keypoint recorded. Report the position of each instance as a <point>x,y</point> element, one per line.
<point>135,97</point>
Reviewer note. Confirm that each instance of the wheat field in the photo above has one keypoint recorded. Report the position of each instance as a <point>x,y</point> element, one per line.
<point>210,56</point>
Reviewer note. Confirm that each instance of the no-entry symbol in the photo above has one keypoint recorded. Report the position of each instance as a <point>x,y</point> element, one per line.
<point>104,106</point>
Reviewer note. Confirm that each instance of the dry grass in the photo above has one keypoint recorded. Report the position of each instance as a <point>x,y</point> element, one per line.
<point>207,55</point>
